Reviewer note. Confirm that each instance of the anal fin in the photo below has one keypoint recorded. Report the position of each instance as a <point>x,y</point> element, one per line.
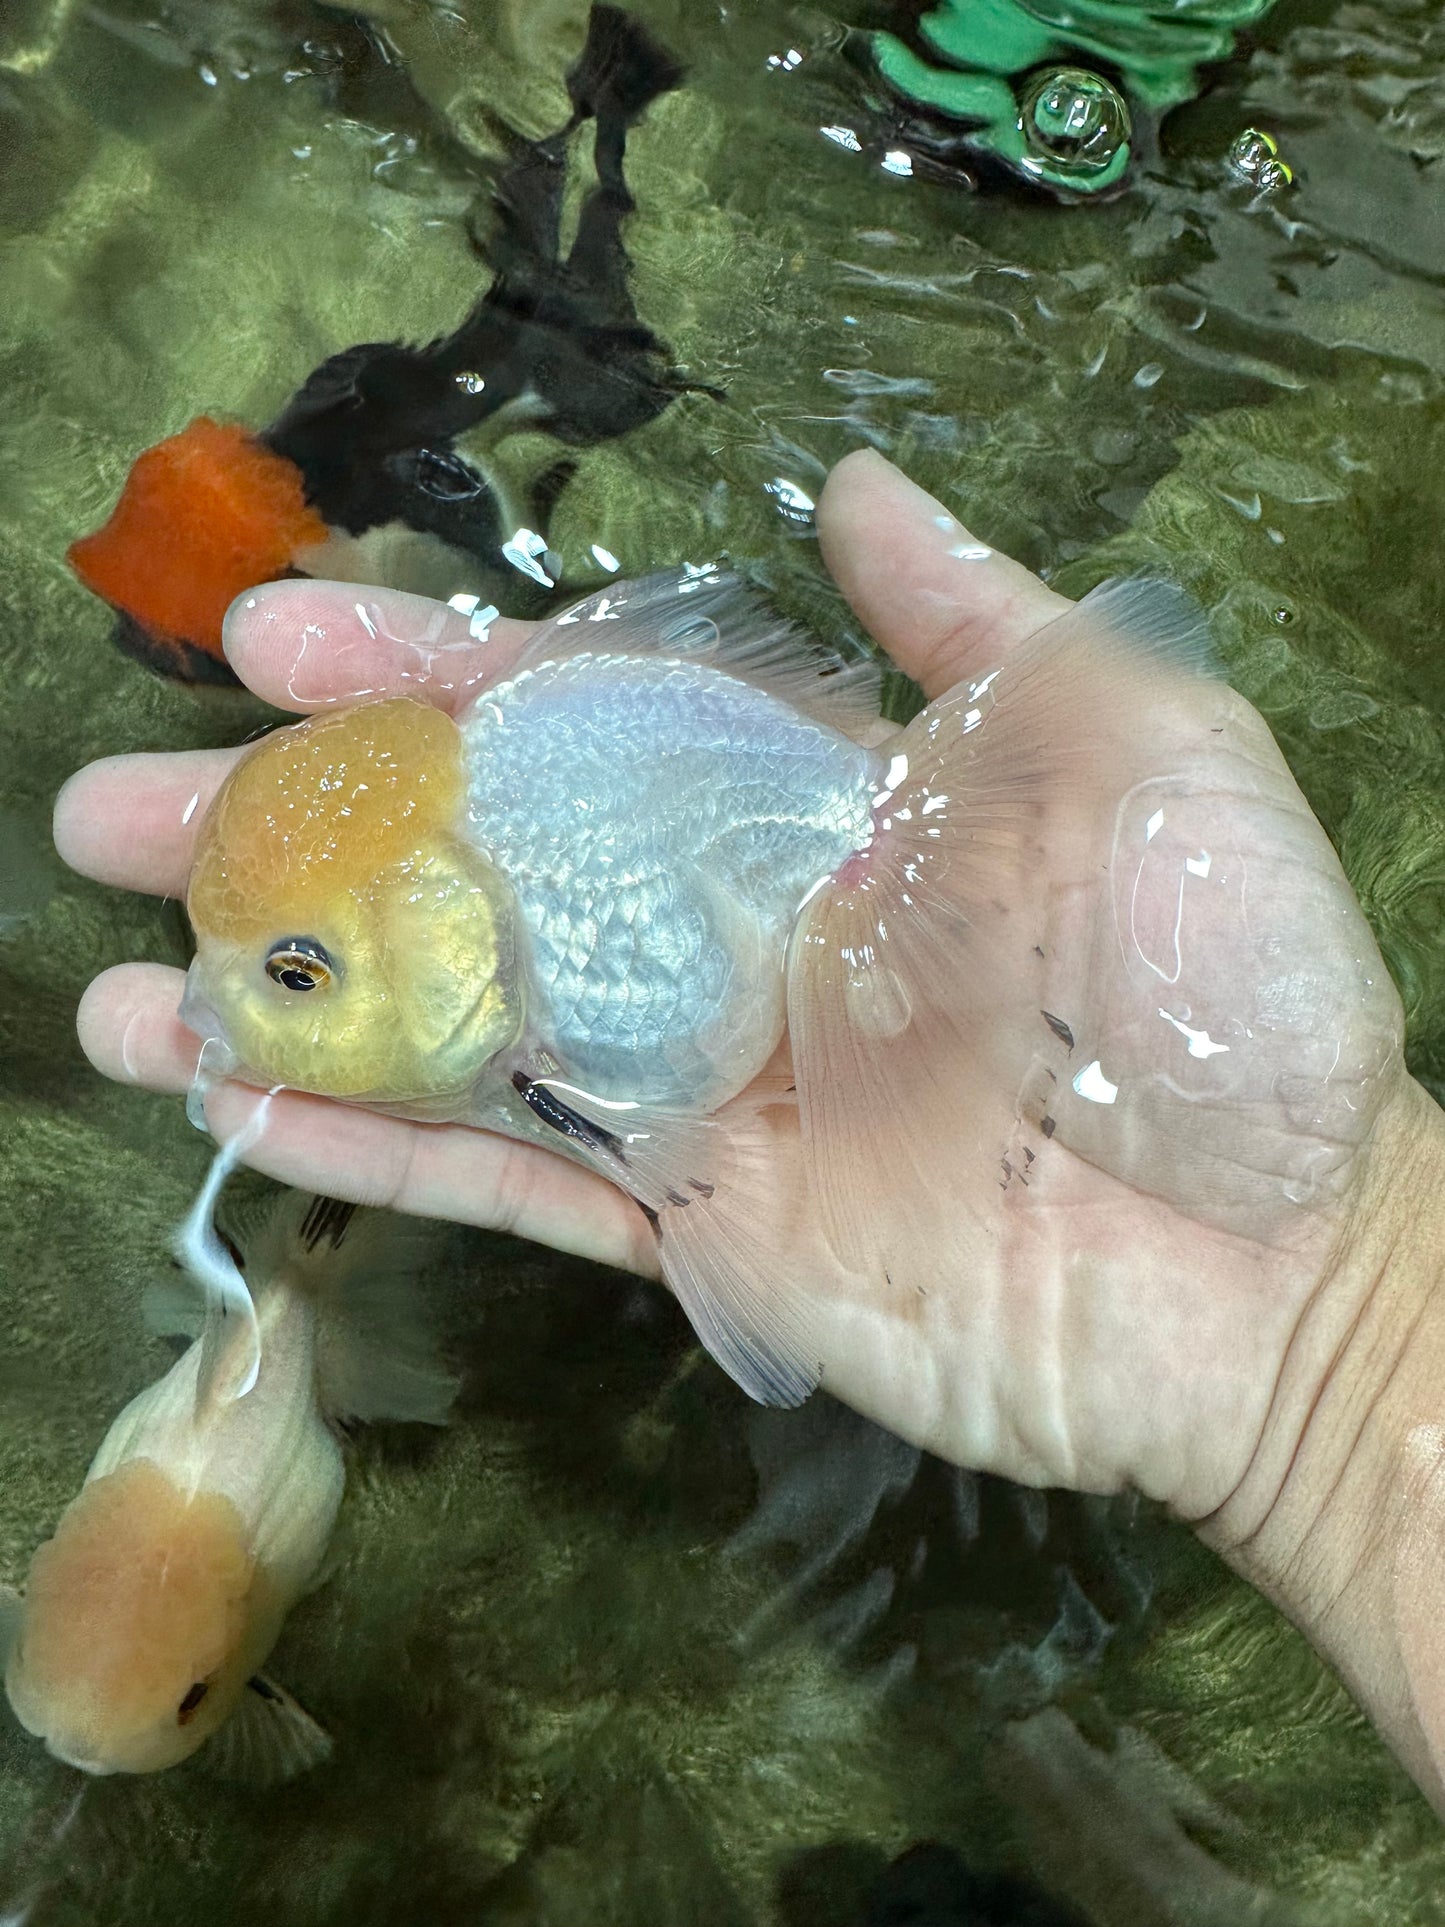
<point>702,1181</point>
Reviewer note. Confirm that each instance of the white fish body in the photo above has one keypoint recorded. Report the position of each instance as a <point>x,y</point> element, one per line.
<point>271,1453</point>
<point>206,1514</point>
<point>661,823</point>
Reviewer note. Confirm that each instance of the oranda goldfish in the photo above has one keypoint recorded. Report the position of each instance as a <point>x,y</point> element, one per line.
<point>586,911</point>
<point>206,1512</point>
<point>376,468</point>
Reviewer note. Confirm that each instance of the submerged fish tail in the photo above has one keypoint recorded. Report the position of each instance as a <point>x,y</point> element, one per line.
<point>622,69</point>
<point>925,1007</point>
<point>376,1355</point>
<point>612,374</point>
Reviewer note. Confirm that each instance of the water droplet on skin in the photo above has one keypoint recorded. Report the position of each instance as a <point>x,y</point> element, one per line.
<point>479,619</point>
<point>1073,123</point>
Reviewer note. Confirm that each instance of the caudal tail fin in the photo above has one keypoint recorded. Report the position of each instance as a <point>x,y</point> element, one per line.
<point>621,70</point>
<point>377,1353</point>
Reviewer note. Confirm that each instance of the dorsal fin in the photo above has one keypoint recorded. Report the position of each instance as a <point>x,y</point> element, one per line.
<point>709,615</point>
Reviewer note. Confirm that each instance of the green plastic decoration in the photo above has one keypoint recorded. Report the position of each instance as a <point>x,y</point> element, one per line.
<point>1018,81</point>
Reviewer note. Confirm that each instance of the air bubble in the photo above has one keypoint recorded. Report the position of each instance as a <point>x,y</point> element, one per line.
<point>1073,123</point>
<point>1254,157</point>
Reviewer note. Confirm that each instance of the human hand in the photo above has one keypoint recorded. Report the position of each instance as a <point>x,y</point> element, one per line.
<point>1162,1305</point>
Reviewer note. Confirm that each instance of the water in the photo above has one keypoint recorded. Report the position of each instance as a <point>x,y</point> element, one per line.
<point>610,1650</point>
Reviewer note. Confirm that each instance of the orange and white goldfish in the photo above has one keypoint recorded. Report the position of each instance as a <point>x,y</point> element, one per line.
<point>587,911</point>
<point>208,1509</point>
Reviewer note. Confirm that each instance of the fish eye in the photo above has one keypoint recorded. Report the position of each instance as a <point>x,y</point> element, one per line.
<point>187,1709</point>
<point>298,963</point>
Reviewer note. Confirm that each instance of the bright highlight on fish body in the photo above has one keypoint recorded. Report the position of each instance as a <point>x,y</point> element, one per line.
<point>208,1509</point>
<point>377,469</point>
<point>587,911</point>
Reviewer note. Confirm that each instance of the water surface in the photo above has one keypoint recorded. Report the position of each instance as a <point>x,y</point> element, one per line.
<point>616,1648</point>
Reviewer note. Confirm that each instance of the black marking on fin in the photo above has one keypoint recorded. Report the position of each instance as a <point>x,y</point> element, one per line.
<point>1059,1028</point>
<point>563,1119</point>
<point>702,1189</point>
<point>326,1219</point>
<point>262,1686</point>
<point>1049,1126</point>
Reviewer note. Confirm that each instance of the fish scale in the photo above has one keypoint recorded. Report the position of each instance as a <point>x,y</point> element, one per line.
<point>660,822</point>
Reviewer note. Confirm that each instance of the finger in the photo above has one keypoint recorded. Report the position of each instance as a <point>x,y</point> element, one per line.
<point>944,605</point>
<point>129,1030</point>
<point>133,820</point>
<point>306,645</point>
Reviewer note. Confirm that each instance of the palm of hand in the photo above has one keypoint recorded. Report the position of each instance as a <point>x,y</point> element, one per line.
<point>1170,1034</point>
<point>1110,1160</point>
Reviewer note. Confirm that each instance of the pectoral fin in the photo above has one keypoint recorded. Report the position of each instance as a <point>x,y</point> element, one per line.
<point>269,1738</point>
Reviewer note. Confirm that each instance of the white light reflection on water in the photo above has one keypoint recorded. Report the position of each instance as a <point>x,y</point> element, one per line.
<point>1091,1083</point>
<point>794,502</point>
<point>1201,1044</point>
<point>527,551</point>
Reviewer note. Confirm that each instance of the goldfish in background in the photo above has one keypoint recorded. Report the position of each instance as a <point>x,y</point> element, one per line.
<point>587,911</point>
<point>208,1509</point>
<point>368,446</point>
